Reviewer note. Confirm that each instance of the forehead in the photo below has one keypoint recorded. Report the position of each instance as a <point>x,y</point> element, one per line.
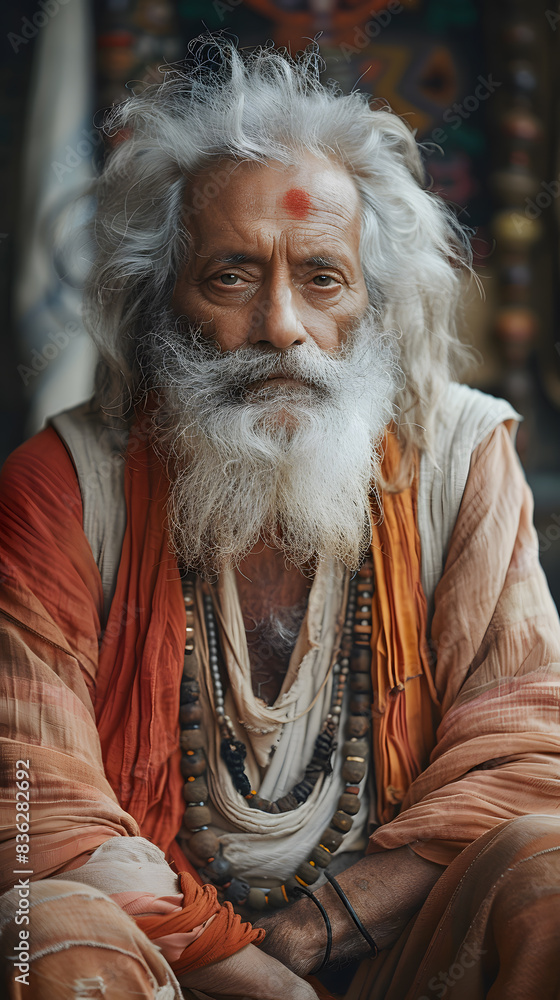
<point>232,204</point>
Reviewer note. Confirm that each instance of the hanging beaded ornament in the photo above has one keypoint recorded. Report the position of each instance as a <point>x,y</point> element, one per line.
<point>353,666</point>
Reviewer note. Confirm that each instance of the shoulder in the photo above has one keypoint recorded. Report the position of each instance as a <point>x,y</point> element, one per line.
<point>98,447</point>
<point>45,556</point>
<point>464,417</point>
<point>41,471</point>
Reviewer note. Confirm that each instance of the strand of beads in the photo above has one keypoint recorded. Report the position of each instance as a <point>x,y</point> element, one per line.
<point>233,751</point>
<point>196,819</point>
<point>202,842</point>
<point>354,663</point>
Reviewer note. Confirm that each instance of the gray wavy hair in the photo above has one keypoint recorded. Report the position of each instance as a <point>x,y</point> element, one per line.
<point>265,105</point>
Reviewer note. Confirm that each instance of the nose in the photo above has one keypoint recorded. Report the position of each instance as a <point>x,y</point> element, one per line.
<point>275,320</point>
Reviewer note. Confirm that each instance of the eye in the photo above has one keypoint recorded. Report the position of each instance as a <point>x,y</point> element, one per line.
<point>323,280</point>
<point>228,279</point>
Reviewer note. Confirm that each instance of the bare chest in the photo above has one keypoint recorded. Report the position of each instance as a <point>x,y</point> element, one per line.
<point>273,598</point>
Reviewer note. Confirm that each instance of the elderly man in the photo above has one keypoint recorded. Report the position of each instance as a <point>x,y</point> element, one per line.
<point>274,618</point>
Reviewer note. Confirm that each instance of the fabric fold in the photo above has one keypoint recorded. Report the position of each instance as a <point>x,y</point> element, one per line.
<point>223,936</point>
<point>406,708</point>
<point>496,644</point>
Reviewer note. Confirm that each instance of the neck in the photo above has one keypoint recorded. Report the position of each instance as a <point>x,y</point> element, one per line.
<point>268,585</point>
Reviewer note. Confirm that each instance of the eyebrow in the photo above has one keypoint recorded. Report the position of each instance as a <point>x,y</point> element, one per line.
<point>314,261</point>
<point>321,261</point>
<point>232,258</point>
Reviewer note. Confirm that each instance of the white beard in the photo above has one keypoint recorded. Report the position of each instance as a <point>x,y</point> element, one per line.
<point>293,464</point>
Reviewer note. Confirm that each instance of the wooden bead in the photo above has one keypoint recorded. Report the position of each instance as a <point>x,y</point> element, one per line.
<point>292,888</point>
<point>353,771</point>
<point>287,803</point>
<point>190,691</point>
<point>341,821</point>
<point>190,666</point>
<point>360,661</point>
<point>276,898</point>
<point>360,704</point>
<point>217,870</point>
<point>355,748</point>
<point>204,845</point>
<point>349,804</point>
<point>362,631</point>
<point>196,816</point>
<point>320,856</point>
<point>195,791</point>
<point>307,873</point>
<point>256,899</point>
<point>193,764</point>
<point>256,802</point>
<point>360,682</point>
<point>192,739</point>
<point>236,892</point>
<point>357,725</point>
<point>331,839</point>
<point>190,714</point>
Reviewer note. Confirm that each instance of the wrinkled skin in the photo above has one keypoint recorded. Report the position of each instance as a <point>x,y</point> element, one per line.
<point>249,974</point>
<point>275,261</point>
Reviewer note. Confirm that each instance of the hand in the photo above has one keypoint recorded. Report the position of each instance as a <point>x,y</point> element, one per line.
<point>248,975</point>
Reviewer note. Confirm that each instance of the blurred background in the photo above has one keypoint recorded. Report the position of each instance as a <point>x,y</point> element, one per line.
<point>478,81</point>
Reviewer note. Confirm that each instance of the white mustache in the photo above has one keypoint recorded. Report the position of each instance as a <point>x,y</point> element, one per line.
<point>188,355</point>
<point>249,458</point>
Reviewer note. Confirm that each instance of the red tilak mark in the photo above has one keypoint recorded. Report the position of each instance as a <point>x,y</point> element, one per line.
<point>297,202</point>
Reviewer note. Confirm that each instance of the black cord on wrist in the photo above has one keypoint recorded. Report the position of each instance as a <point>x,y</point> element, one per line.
<point>348,905</point>
<point>325,916</point>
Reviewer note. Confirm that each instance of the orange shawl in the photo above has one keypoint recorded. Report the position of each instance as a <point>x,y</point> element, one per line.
<point>141,756</point>
<point>137,717</point>
<point>53,591</point>
<point>405,705</point>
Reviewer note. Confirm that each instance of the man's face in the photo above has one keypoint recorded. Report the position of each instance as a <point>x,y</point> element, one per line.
<point>274,259</point>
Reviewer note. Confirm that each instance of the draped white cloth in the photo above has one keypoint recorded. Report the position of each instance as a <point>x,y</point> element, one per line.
<point>279,737</point>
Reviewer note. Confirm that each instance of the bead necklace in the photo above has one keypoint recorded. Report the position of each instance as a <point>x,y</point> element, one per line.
<point>352,666</point>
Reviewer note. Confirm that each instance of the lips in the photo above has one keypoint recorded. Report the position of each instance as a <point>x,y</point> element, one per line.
<point>273,380</point>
